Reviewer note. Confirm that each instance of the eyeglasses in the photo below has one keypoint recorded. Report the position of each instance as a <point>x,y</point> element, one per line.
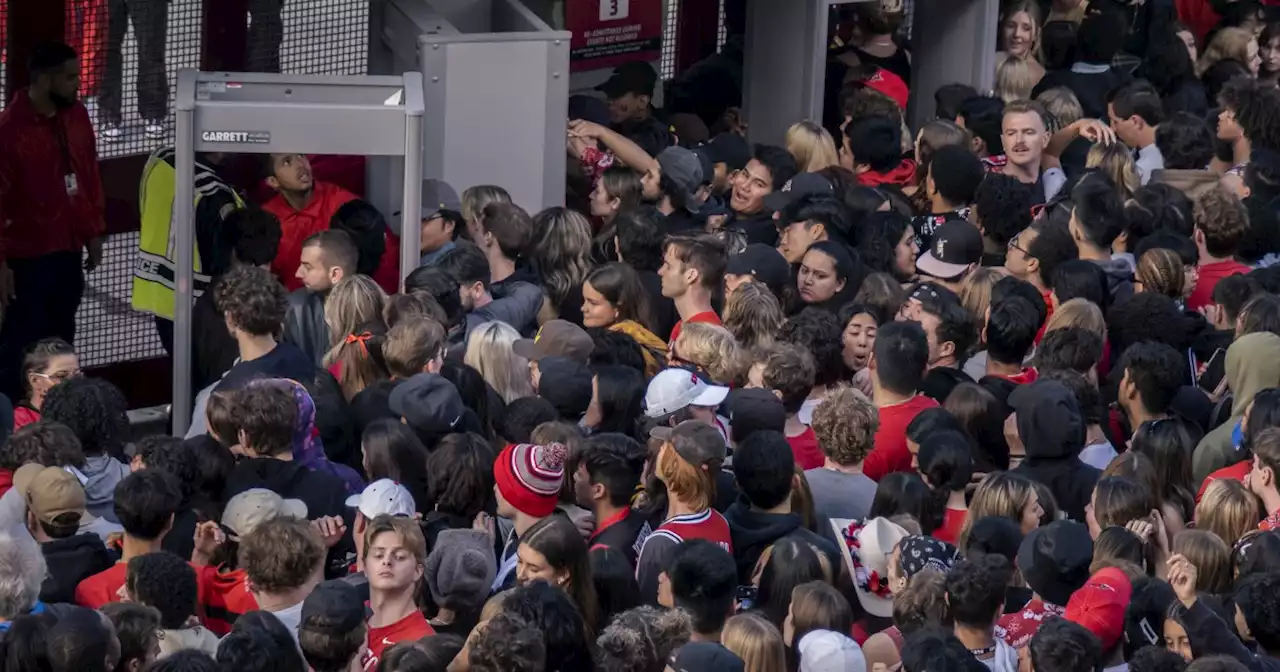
<point>61,376</point>
<point>1013,245</point>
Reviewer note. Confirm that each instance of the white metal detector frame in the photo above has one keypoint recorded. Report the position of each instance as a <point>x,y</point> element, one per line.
<point>249,113</point>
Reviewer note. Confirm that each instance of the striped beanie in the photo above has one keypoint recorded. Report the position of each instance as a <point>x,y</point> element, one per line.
<point>529,477</point>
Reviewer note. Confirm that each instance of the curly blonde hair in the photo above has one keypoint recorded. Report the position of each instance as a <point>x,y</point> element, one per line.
<point>713,349</point>
<point>845,424</point>
<point>753,315</point>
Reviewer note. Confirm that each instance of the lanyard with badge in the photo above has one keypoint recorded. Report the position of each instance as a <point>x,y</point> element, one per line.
<point>69,176</point>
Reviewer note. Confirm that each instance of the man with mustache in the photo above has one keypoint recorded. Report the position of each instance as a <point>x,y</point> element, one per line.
<point>51,207</point>
<point>1026,136</point>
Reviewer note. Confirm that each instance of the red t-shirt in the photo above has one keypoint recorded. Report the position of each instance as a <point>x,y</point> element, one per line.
<point>1235,472</point>
<point>24,415</point>
<point>1210,274</point>
<point>411,628</point>
<point>891,453</point>
<point>806,450</point>
<point>298,225</point>
<point>225,597</point>
<point>708,316</point>
<point>952,521</point>
<point>103,587</point>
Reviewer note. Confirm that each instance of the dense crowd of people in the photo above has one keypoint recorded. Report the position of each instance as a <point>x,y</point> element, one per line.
<point>1001,394</point>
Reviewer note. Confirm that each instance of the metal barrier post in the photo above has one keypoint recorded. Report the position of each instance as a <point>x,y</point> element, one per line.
<point>184,214</point>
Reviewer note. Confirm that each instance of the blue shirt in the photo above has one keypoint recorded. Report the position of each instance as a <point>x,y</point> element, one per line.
<point>431,258</point>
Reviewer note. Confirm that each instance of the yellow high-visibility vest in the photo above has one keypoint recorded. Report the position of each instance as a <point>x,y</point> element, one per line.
<point>154,271</point>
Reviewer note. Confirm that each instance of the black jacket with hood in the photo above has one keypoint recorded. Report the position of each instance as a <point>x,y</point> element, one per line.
<point>754,531</point>
<point>70,561</point>
<point>323,493</point>
<point>1052,430</point>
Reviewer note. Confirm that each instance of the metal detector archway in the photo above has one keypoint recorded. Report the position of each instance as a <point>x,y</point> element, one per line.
<point>247,113</point>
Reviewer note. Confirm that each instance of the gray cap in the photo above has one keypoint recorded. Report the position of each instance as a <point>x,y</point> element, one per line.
<point>437,195</point>
<point>461,568</point>
<point>683,168</point>
<point>695,441</point>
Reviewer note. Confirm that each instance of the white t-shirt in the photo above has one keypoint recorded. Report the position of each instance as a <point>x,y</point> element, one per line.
<point>292,618</point>
<point>1098,455</point>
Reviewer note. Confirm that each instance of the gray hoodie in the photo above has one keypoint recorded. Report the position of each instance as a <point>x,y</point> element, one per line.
<point>1119,273</point>
<point>104,473</point>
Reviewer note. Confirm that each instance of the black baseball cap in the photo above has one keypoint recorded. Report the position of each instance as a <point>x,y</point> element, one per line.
<point>429,403</point>
<point>956,247</point>
<point>754,410</point>
<point>334,607</point>
<point>762,262</point>
<point>730,149</point>
<point>636,77</point>
<point>566,383</point>
<point>796,188</point>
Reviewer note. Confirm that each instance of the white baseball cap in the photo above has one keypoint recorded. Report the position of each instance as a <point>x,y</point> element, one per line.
<point>383,497</point>
<point>828,651</point>
<point>255,506</point>
<point>674,389</point>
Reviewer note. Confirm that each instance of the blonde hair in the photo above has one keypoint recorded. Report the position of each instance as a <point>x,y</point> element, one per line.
<point>712,348</point>
<point>691,484</point>
<point>489,352</point>
<point>812,147</point>
<point>1081,313</point>
<point>1002,494</point>
<point>1161,271</point>
<point>476,199</point>
<point>1228,510</point>
<point>1062,105</point>
<point>1032,9</point>
<point>753,315</point>
<point>1228,43</point>
<point>1116,162</point>
<point>975,293</point>
<point>754,639</point>
<point>1210,554</point>
<point>353,313</point>
<point>1015,79</point>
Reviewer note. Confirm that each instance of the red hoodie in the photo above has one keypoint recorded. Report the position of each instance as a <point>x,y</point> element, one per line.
<point>903,175</point>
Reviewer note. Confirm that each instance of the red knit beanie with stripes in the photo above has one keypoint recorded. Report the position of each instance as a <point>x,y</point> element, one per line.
<point>529,477</point>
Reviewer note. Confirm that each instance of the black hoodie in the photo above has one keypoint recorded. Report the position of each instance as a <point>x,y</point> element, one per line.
<point>940,381</point>
<point>323,493</point>
<point>1053,431</point>
<point>71,561</point>
<point>754,531</point>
